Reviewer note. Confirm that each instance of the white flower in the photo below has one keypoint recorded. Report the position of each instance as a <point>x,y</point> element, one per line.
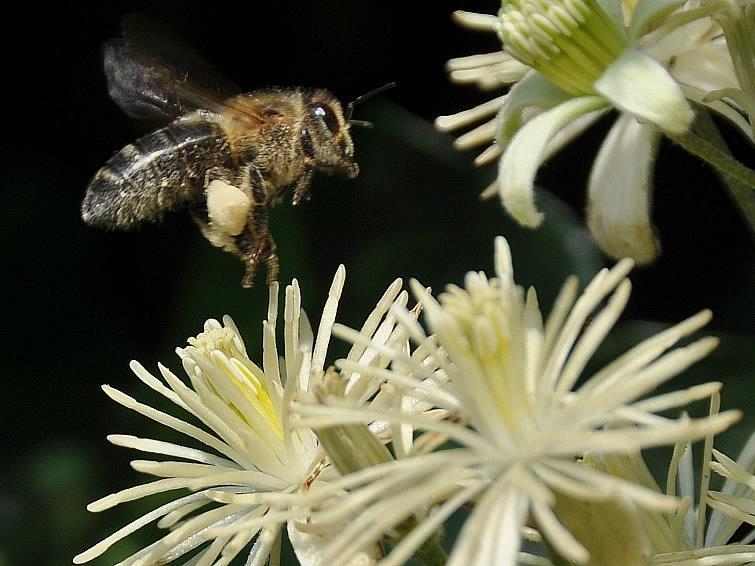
<point>643,58</point>
<point>737,499</point>
<point>696,537</point>
<point>693,535</point>
<point>619,533</point>
<point>524,414</point>
<point>254,474</point>
<point>737,20</point>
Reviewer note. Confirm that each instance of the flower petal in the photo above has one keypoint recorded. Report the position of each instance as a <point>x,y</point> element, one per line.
<point>648,14</point>
<point>309,544</point>
<point>722,107</point>
<point>618,209</point>
<point>613,11</point>
<point>706,68</point>
<point>491,535</point>
<point>641,86</point>
<point>524,155</point>
<point>534,90</point>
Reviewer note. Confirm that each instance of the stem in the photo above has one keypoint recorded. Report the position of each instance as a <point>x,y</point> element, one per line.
<point>431,553</point>
<point>739,191</point>
<point>352,448</point>
<point>723,162</point>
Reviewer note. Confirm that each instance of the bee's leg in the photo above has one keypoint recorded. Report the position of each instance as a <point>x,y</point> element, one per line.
<point>255,243</point>
<point>301,187</point>
<point>218,174</point>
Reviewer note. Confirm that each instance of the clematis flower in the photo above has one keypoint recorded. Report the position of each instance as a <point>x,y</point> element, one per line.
<point>737,20</point>
<point>523,414</point>
<point>693,535</point>
<point>248,473</point>
<point>577,60</point>
<point>617,532</point>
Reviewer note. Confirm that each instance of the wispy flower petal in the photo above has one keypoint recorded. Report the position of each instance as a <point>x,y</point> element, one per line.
<point>620,190</point>
<point>524,415</point>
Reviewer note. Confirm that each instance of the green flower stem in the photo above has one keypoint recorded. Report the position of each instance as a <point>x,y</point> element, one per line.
<point>718,158</point>
<point>740,192</point>
<point>431,553</point>
<point>353,448</point>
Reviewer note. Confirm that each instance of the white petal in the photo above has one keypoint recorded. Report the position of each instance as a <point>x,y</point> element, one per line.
<point>721,527</point>
<point>613,11</point>
<point>326,322</point>
<point>641,86</point>
<point>308,546</point>
<point>475,21</point>
<point>534,90</point>
<point>524,155</point>
<point>491,535</point>
<point>647,14</point>
<point>722,107</point>
<point>572,131</point>
<point>706,68</point>
<point>619,192</point>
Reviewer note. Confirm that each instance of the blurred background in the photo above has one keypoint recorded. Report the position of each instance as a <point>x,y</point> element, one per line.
<point>80,303</point>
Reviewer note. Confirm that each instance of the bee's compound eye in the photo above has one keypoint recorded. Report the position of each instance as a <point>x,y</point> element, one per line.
<point>326,114</point>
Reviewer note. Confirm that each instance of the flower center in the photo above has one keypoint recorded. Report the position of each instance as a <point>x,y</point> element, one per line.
<point>230,375</point>
<point>485,333</point>
<point>570,42</point>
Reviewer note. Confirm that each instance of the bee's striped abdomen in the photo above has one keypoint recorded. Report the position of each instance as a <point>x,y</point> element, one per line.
<point>159,172</point>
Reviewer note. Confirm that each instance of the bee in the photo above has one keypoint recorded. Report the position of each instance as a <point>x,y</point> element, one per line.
<point>226,156</point>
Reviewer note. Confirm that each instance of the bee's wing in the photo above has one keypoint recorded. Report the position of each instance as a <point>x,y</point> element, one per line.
<point>152,74</point>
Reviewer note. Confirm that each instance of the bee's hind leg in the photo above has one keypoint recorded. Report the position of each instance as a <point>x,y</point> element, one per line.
<point>255,243</point>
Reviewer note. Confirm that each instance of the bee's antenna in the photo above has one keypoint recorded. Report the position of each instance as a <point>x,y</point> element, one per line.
<point>361,123</point>
<point>362,98</point>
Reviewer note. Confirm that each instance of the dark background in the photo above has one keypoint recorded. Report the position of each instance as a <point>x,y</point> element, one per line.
<point>80,303</point>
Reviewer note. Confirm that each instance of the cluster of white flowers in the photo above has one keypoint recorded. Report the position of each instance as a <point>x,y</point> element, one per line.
<point>493,408</point>
<point>530,429</point>
<point>262,472</point>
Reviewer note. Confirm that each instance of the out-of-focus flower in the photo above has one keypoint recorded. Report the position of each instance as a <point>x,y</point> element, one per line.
<point>570,62</point>
<point>737,20</point>
<point>523,413</point>
<point>737,499</point>
<point>253,473</point>
<point>616,532</point>
<point>694,535</point>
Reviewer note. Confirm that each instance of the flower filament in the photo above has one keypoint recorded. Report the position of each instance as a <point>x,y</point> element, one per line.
<point>571,42</point>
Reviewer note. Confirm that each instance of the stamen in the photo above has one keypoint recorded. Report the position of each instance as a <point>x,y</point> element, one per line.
<point>571,42</point>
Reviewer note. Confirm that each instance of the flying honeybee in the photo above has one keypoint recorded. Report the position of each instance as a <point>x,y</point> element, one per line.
<point>226,156</point>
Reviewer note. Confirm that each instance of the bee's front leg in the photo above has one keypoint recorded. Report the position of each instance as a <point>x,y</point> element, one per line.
<point>255,243</point>
<point>301,187</point>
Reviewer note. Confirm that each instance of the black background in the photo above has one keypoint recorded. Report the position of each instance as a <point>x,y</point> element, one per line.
<point>78,303</point>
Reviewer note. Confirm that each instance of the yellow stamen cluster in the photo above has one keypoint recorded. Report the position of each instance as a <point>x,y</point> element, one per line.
<point>221,349</point>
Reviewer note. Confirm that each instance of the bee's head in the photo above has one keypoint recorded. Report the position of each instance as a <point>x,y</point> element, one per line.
<point>326,137</point>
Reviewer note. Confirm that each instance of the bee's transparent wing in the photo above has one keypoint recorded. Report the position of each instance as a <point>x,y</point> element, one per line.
<point>151,73</point>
